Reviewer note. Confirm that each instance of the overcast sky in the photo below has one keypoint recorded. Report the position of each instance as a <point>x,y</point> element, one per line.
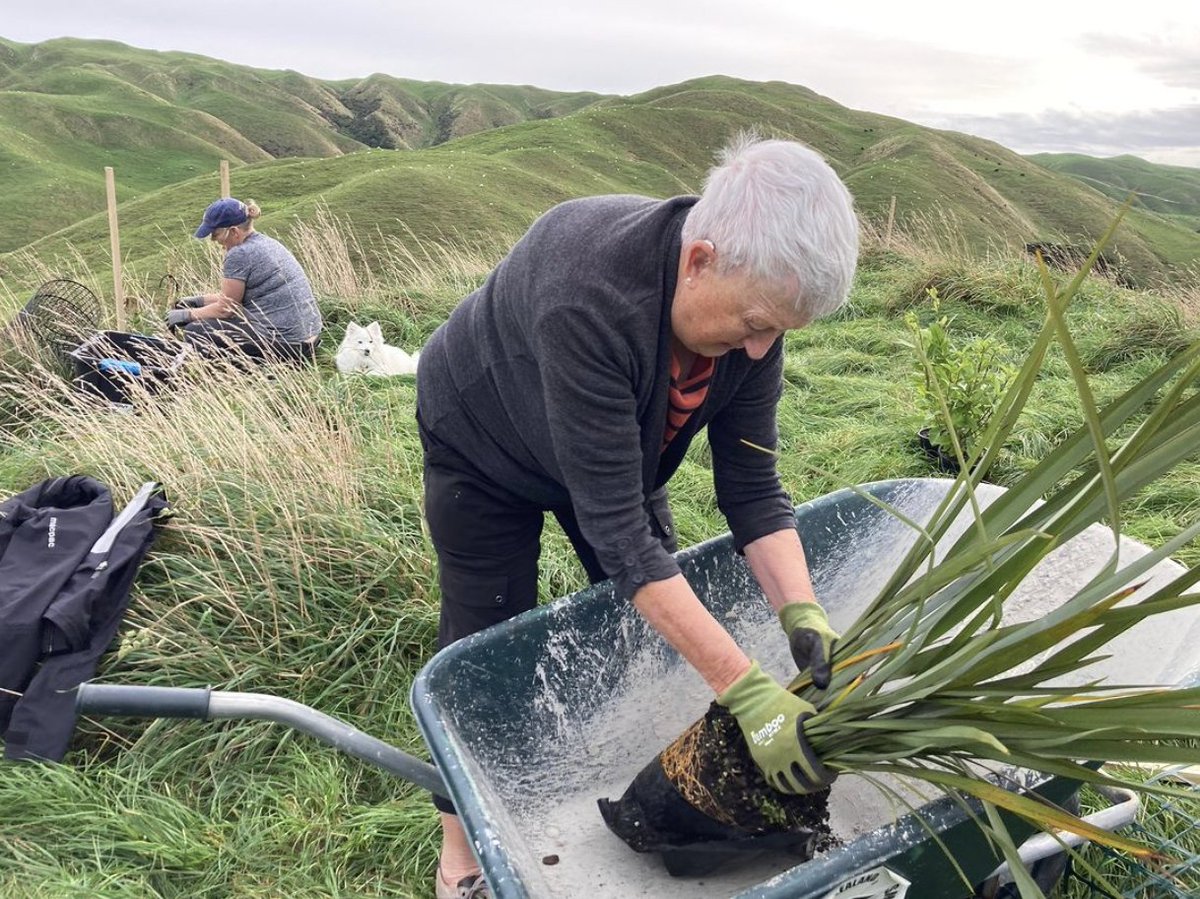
<point>1101,78</point>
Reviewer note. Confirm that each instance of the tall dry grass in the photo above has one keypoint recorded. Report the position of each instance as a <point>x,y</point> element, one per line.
<point>339,265</point>
<point>930,236</point>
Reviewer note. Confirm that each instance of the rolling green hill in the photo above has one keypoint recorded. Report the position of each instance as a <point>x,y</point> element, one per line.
<point>69,107</point>
<point>387,154</point>
<point>495,181</point>
<point>1171,190</point>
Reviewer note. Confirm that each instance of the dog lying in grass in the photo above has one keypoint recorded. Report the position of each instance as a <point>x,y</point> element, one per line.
<point>363,351</point>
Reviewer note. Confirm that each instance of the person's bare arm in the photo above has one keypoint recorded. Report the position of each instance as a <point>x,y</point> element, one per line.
<point>674,610</point>
<point>781,568</point>
<point>224,304</point>
<point>233,289</point>
<point>779,565</point>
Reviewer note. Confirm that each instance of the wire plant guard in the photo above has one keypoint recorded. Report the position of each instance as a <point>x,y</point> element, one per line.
<point>60,316</point>
<point>1172,823</point>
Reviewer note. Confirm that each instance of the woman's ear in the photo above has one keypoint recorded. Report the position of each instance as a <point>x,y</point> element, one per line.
<point>698,256</point>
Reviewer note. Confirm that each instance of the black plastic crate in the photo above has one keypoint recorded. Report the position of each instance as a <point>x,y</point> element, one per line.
<point>112,364</point>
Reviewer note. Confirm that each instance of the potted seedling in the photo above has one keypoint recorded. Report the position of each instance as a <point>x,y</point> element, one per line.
<point>959,385</point>
<point>934,682</point>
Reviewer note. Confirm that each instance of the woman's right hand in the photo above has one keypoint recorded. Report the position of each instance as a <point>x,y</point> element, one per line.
<point>772,723</point>
<point>224,307</point>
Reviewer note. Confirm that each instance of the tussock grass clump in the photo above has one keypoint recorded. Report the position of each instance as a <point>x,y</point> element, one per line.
<point>1005,290</point>
<point>269,475</point>
<point>1135,329</point>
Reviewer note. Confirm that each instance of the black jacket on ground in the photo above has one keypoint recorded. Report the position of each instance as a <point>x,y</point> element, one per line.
<point>66,567</point>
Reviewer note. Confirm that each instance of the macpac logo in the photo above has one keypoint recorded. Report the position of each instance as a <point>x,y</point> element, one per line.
<point>765,734</point>
<point>50,531</point>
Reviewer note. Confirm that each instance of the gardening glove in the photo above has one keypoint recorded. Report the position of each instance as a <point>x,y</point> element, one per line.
<point>177,318</point>
<point>811,638</point>
<point>189,302</point>
<point>772,724</point>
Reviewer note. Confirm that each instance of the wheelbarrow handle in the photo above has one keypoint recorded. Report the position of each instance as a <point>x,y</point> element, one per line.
<point>209,705</point>
<point>122,700</point>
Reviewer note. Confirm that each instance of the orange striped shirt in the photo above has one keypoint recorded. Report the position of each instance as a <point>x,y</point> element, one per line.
<point>686,393</point>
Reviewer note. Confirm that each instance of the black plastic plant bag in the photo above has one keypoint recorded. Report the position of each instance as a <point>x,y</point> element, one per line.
<point>702,801</point>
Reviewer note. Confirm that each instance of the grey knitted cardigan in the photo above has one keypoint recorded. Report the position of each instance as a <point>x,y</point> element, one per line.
<point>552,380</point>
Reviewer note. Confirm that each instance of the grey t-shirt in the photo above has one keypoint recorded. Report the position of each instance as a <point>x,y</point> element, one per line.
<point>278,300</point>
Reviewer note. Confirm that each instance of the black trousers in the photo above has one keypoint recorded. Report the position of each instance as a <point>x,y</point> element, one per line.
<point>213,336</point>
<point>488,543</point>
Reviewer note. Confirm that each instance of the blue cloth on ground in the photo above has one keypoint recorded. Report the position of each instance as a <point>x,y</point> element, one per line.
<point>125,365</point>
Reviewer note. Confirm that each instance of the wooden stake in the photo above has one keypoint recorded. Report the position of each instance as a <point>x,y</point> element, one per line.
<point>887,237</point>
<point>114,237</point>
<point>225,178</point>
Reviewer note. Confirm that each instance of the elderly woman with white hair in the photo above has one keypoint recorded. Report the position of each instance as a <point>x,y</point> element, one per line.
<point>265,309</point>
<point>574,380</point>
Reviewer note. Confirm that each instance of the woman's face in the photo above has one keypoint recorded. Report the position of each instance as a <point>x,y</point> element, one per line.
<point>227,238</point>
<point>714,313</point>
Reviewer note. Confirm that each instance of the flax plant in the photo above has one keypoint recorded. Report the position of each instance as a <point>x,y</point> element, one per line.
<point>963,694</point>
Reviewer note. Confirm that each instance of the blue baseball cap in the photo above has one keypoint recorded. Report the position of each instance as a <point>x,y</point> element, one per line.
<point>222,213</point>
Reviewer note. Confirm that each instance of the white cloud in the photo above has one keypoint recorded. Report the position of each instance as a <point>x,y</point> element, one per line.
<point>1168,136</point>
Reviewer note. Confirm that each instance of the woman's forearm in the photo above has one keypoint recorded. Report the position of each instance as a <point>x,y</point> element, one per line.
<point>780,567</point>
<point>673,609</point>
<point>216,305</point>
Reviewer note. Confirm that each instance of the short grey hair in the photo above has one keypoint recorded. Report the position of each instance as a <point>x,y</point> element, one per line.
<point>775,210</point>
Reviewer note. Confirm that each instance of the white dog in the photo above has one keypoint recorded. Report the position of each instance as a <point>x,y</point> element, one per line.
<point>364,352</point>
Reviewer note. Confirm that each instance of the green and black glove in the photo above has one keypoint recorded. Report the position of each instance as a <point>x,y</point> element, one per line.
<point>811,638</point>
<point>772,723</point>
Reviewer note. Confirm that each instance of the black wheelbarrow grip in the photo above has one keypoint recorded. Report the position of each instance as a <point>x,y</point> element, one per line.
<point>119,700</point>
<point>210,705</point>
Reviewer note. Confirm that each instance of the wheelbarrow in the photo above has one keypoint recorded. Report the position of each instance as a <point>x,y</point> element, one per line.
<point>532,721</point>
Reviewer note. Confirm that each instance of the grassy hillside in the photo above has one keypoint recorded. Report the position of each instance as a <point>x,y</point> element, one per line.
<point>492,183</point>
<point>69,107</point>
<point>296,563</point>
<point>1173,191</point>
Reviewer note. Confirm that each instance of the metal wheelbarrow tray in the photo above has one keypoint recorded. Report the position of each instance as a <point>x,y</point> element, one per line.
<point>532,721</point>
